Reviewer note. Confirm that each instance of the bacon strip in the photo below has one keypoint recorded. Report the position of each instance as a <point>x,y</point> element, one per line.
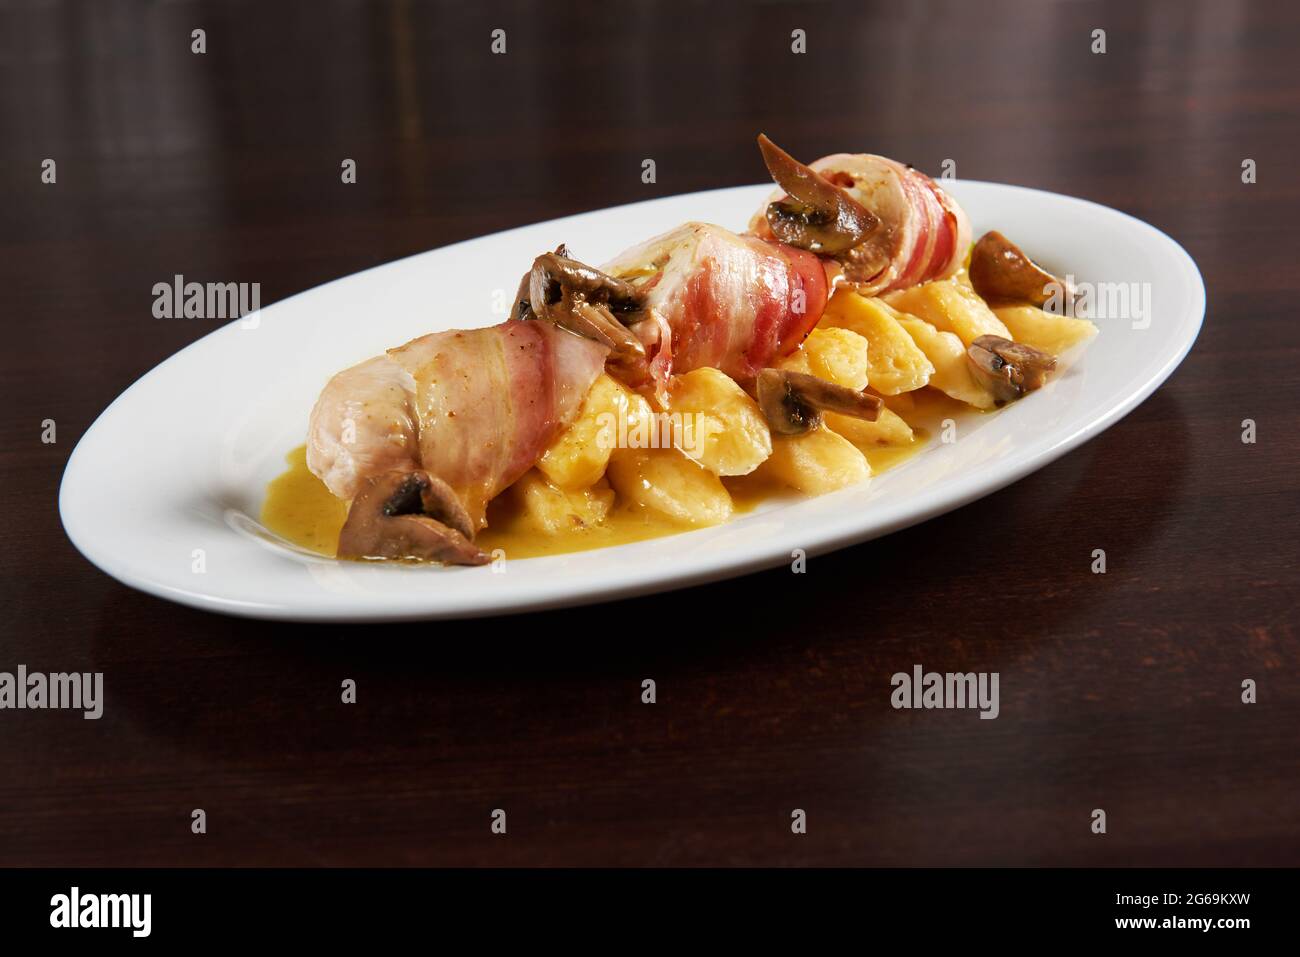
<point>730,302</point>
<point>923,233</point>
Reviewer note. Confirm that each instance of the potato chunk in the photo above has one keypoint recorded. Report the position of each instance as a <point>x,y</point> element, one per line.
<point>579,455</point>
<point>815,462</point>
<point>888,429</point>
<point>836,354</point>
<point>668,482</point>
<point>554,510</point>
<point>950,307</point>
<point>953,374</point>
<point>716,423</point>
<point>1051,333</point>
<point>895,364</point>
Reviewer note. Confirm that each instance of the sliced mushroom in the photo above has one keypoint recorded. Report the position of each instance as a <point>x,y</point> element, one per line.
<point>999,270</point>
<point>411,515</point>
<point>793,402</point>
<point>816,214</point>
<point>523,306</point>
<point>1009,369</point>
<point>559,269</point>
<point>583,300</point>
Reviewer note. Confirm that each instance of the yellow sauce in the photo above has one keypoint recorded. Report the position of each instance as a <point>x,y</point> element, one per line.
<point>301,510</point>
<point>509,530</point>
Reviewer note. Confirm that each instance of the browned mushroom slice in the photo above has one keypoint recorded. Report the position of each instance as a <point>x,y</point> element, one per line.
<point>559,269</point>
<point>411,515</point>
<point>596,321</point>
<point>1009,369</point>
<point>816,214</point>
<point>793,402</point>
<point>583,300</point>
<point>999,270</point>
<point>523,305</point>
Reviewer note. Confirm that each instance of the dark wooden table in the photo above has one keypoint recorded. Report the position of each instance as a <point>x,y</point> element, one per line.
<point>1119,691</point>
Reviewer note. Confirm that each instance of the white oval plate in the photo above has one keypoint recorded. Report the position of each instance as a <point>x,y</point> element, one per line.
<point>164,490</point>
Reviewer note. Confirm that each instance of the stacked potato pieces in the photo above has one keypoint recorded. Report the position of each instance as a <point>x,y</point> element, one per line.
<point>903,347</point>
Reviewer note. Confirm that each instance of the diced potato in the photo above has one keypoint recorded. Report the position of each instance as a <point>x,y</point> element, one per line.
<point>577,458</point>
<point>668,482</point>
<point>716,423</point>
<point>952,371</point>
<point>641,428</point>
<point>1044,330</point>
<point>888,429</point>
<point>895,364</point>
<point>836,354</point>
<point>554,510</point>
<point>950,307</point>
<point>815,462</point>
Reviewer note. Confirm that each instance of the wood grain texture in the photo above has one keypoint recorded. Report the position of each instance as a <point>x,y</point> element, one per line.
<point>1119,691</point>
